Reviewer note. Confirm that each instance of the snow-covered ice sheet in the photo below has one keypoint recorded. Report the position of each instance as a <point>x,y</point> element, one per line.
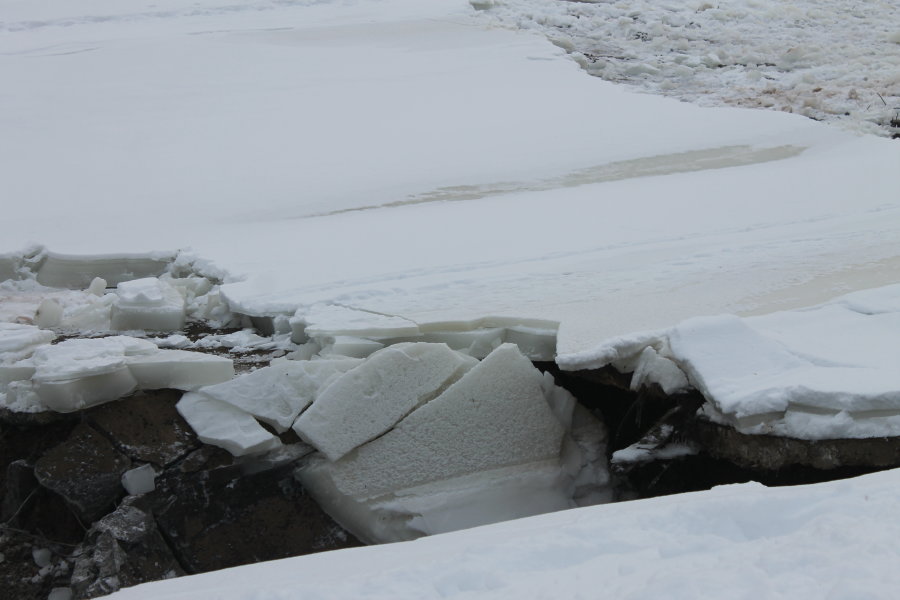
<point>833,540</point>
<point>405,158</point>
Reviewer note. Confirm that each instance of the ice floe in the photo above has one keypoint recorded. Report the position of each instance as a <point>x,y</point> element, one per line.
<point>221,424</point>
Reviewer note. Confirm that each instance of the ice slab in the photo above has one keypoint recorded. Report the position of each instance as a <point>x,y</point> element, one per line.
<point>494,416</point>
<point>140,480</point>
<point>148,304</point>
<point>334,320</point>
<point>179,369</point>
<point>221,424</point>
<point>77,271</point>
<point>371,398</point>
<point>18,341</point>
<point>345,345</point>
<point>278,393</point>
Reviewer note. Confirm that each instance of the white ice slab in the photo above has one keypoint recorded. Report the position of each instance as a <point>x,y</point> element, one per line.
<point>18,341</point>
<point>495,416</point>
<point>333,320</point>
<point>371,398</point>
<point>179,369</point>
<point>149,304</point>
<point>221,424</point>
<point>278,393</point>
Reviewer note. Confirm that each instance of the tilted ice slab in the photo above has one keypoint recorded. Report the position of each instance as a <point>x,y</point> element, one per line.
<point>221,424</point>
<point>499,443</point>
<point>370,399</point>
<point>495,416</point>
<point>278,393</point>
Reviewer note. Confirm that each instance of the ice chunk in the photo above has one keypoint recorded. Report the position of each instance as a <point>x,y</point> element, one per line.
<point>276,394</point>
<point>140,480</point>
<point>77,272</point>
<point>651,368</point>
<point>332,320</point>
<point>179,369</point>
<point>368,400</point>
<point>60,593</point>
<point>79,373</point>
<point>345,345</point>
<point>494,416</point>
<point>41,556</point>
<point>221,424</point>
<point>97,286</point>
<point>20,397</point>
<point>18,341</point>
<point>18,371</point>
<point>149,304</point>
<point>49,314</point>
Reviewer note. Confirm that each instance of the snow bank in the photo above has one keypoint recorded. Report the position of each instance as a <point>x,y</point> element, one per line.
<point>832,540</point>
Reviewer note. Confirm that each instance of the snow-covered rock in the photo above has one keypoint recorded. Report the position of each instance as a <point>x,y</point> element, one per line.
<point>371,398</point>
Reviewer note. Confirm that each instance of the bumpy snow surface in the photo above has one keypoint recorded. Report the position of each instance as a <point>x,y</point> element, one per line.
<point>825,59</point>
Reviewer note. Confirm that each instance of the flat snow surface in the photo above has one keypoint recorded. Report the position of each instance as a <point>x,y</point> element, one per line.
<point>412,158</point>
<point>743,542</point>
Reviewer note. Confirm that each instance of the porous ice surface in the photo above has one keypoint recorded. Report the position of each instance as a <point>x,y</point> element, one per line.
<point>278,393</point>
<point>371,398</point>
<point>221,424</point>
<point>496,444</point>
